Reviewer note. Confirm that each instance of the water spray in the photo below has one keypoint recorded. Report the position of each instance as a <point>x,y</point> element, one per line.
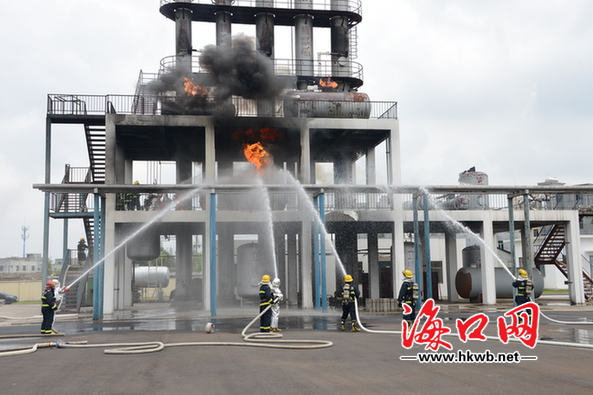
<point>289,177</point>
<point>161,213</point>
<point>270,223</point>
<point>500,262</point>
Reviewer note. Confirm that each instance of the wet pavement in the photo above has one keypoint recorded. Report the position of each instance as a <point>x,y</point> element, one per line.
<point>362,362</point>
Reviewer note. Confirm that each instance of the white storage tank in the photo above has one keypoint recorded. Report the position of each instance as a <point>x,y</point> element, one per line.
<point>151,276</point>
<point>327,104</point>
<point>252,264</point>
<point>473,177</point>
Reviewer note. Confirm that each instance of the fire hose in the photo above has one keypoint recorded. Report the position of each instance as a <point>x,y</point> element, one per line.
<point>261,339</point>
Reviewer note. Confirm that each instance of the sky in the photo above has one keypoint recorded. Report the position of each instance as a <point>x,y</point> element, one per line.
<point>505,86</point>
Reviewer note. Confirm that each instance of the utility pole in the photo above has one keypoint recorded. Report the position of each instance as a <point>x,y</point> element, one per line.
<point>24,236</point>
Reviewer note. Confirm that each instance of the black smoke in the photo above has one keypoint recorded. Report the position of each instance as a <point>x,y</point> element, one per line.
<point>241,71</point>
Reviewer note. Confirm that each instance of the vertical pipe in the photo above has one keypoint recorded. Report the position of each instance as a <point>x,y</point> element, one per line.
<point>264,33</point>
<point>65,243</point>
<point>183,39</point>
<point>512,246</point>
<point>322,250</point>
<point>528,259</point>
<point>417,267</point>
<point>45,262</point>
<point>213,254</point>
<point>98,272</point>
<point>304,66</point>
<point>427,250</point>
<point>223,29</point>
<point>102,250</point>
<point>316,266</point>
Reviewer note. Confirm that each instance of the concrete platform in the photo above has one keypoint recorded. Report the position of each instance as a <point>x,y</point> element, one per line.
<point>359,363</point>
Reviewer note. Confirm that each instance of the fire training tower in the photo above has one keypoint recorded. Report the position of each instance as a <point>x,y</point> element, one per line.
<point>210,108</point>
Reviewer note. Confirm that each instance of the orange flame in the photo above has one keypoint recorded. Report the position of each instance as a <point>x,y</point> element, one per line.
<point>192,89</point>
<point>256,154</point>
<point>269,134</point>
<point>328,83</point>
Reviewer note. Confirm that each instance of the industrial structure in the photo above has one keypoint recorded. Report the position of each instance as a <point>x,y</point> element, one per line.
<point>211,111</point>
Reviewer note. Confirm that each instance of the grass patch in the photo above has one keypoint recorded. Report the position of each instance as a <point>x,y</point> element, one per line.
<point>555,291</point>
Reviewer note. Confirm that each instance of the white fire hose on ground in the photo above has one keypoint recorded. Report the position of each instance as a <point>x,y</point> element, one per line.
<point>260,339</point>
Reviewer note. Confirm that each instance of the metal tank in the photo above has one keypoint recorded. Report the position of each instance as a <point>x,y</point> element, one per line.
<point>327,104</point>
<point>473,177</point>
<point>144,247</point>
<point>252,264</point>
<point>468,280</point>
<point>151,276</point>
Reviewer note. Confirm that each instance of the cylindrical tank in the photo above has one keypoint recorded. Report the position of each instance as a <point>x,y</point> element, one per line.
<point>468,283</point>
<point>327,104</point>
<point>303,43</point>
<point>473,177</point>
<point>223,27</point>
<point>264,32</point>
<point>151,276</point>
<point>144,247</point>
<point>252,264</point>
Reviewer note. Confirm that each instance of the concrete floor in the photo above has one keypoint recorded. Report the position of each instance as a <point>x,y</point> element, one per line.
<point>365,363</point>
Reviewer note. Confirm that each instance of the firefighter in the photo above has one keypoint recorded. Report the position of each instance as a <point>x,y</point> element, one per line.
<point>408,294</point>
<point>524,289</point>
<point>82,247</point>
<point>132,200</point>
<point>48,308</point>
<point>265,299</point>
<point>276,307</point>
<point>349,293</point>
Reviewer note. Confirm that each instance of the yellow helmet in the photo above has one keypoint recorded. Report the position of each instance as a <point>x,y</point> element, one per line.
<point>82,239</point>
<point>407,273</point>
<point>348,278</point>
<point>136,182</point>
<point>522,273</point>
<point>265,278</point>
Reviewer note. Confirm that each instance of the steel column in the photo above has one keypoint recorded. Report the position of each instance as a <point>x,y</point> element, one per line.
<point>427,250</point>
<point>213,254</point>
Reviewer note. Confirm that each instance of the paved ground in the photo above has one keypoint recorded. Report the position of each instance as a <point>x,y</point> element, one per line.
<point>357,363</point>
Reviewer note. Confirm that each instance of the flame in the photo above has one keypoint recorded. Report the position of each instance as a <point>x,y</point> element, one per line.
<point>263,134</point>
<point>192,89</point>
<point>256,154</point>
<point>328,83</point>
<point>269,134</point>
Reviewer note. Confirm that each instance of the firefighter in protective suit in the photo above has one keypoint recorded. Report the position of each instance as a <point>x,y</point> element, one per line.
<point>408,294</point>
<point>276,306</point>
<point>80,249</point>
<point>524,289</point>
<point>48,308</point>
<point>266,298</point>
<point>349,293</point>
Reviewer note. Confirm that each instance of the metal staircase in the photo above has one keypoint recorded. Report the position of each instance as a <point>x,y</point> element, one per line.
<point>549,251</point>
<point>95,141</point>
<point>554,240</point>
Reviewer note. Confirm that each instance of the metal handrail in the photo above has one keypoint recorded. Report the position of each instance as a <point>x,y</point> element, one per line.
<point>282,67</point>
<point>344,5</point>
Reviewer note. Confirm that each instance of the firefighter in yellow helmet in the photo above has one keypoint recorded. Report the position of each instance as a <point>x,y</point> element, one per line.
<point>133,200</point>
<point>265,299</point>
<point>349,293</point>
<point>408,294</point>
<point>524,289</point>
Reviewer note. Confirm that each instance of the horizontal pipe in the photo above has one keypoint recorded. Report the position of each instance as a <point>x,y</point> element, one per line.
<point>315,189</point>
